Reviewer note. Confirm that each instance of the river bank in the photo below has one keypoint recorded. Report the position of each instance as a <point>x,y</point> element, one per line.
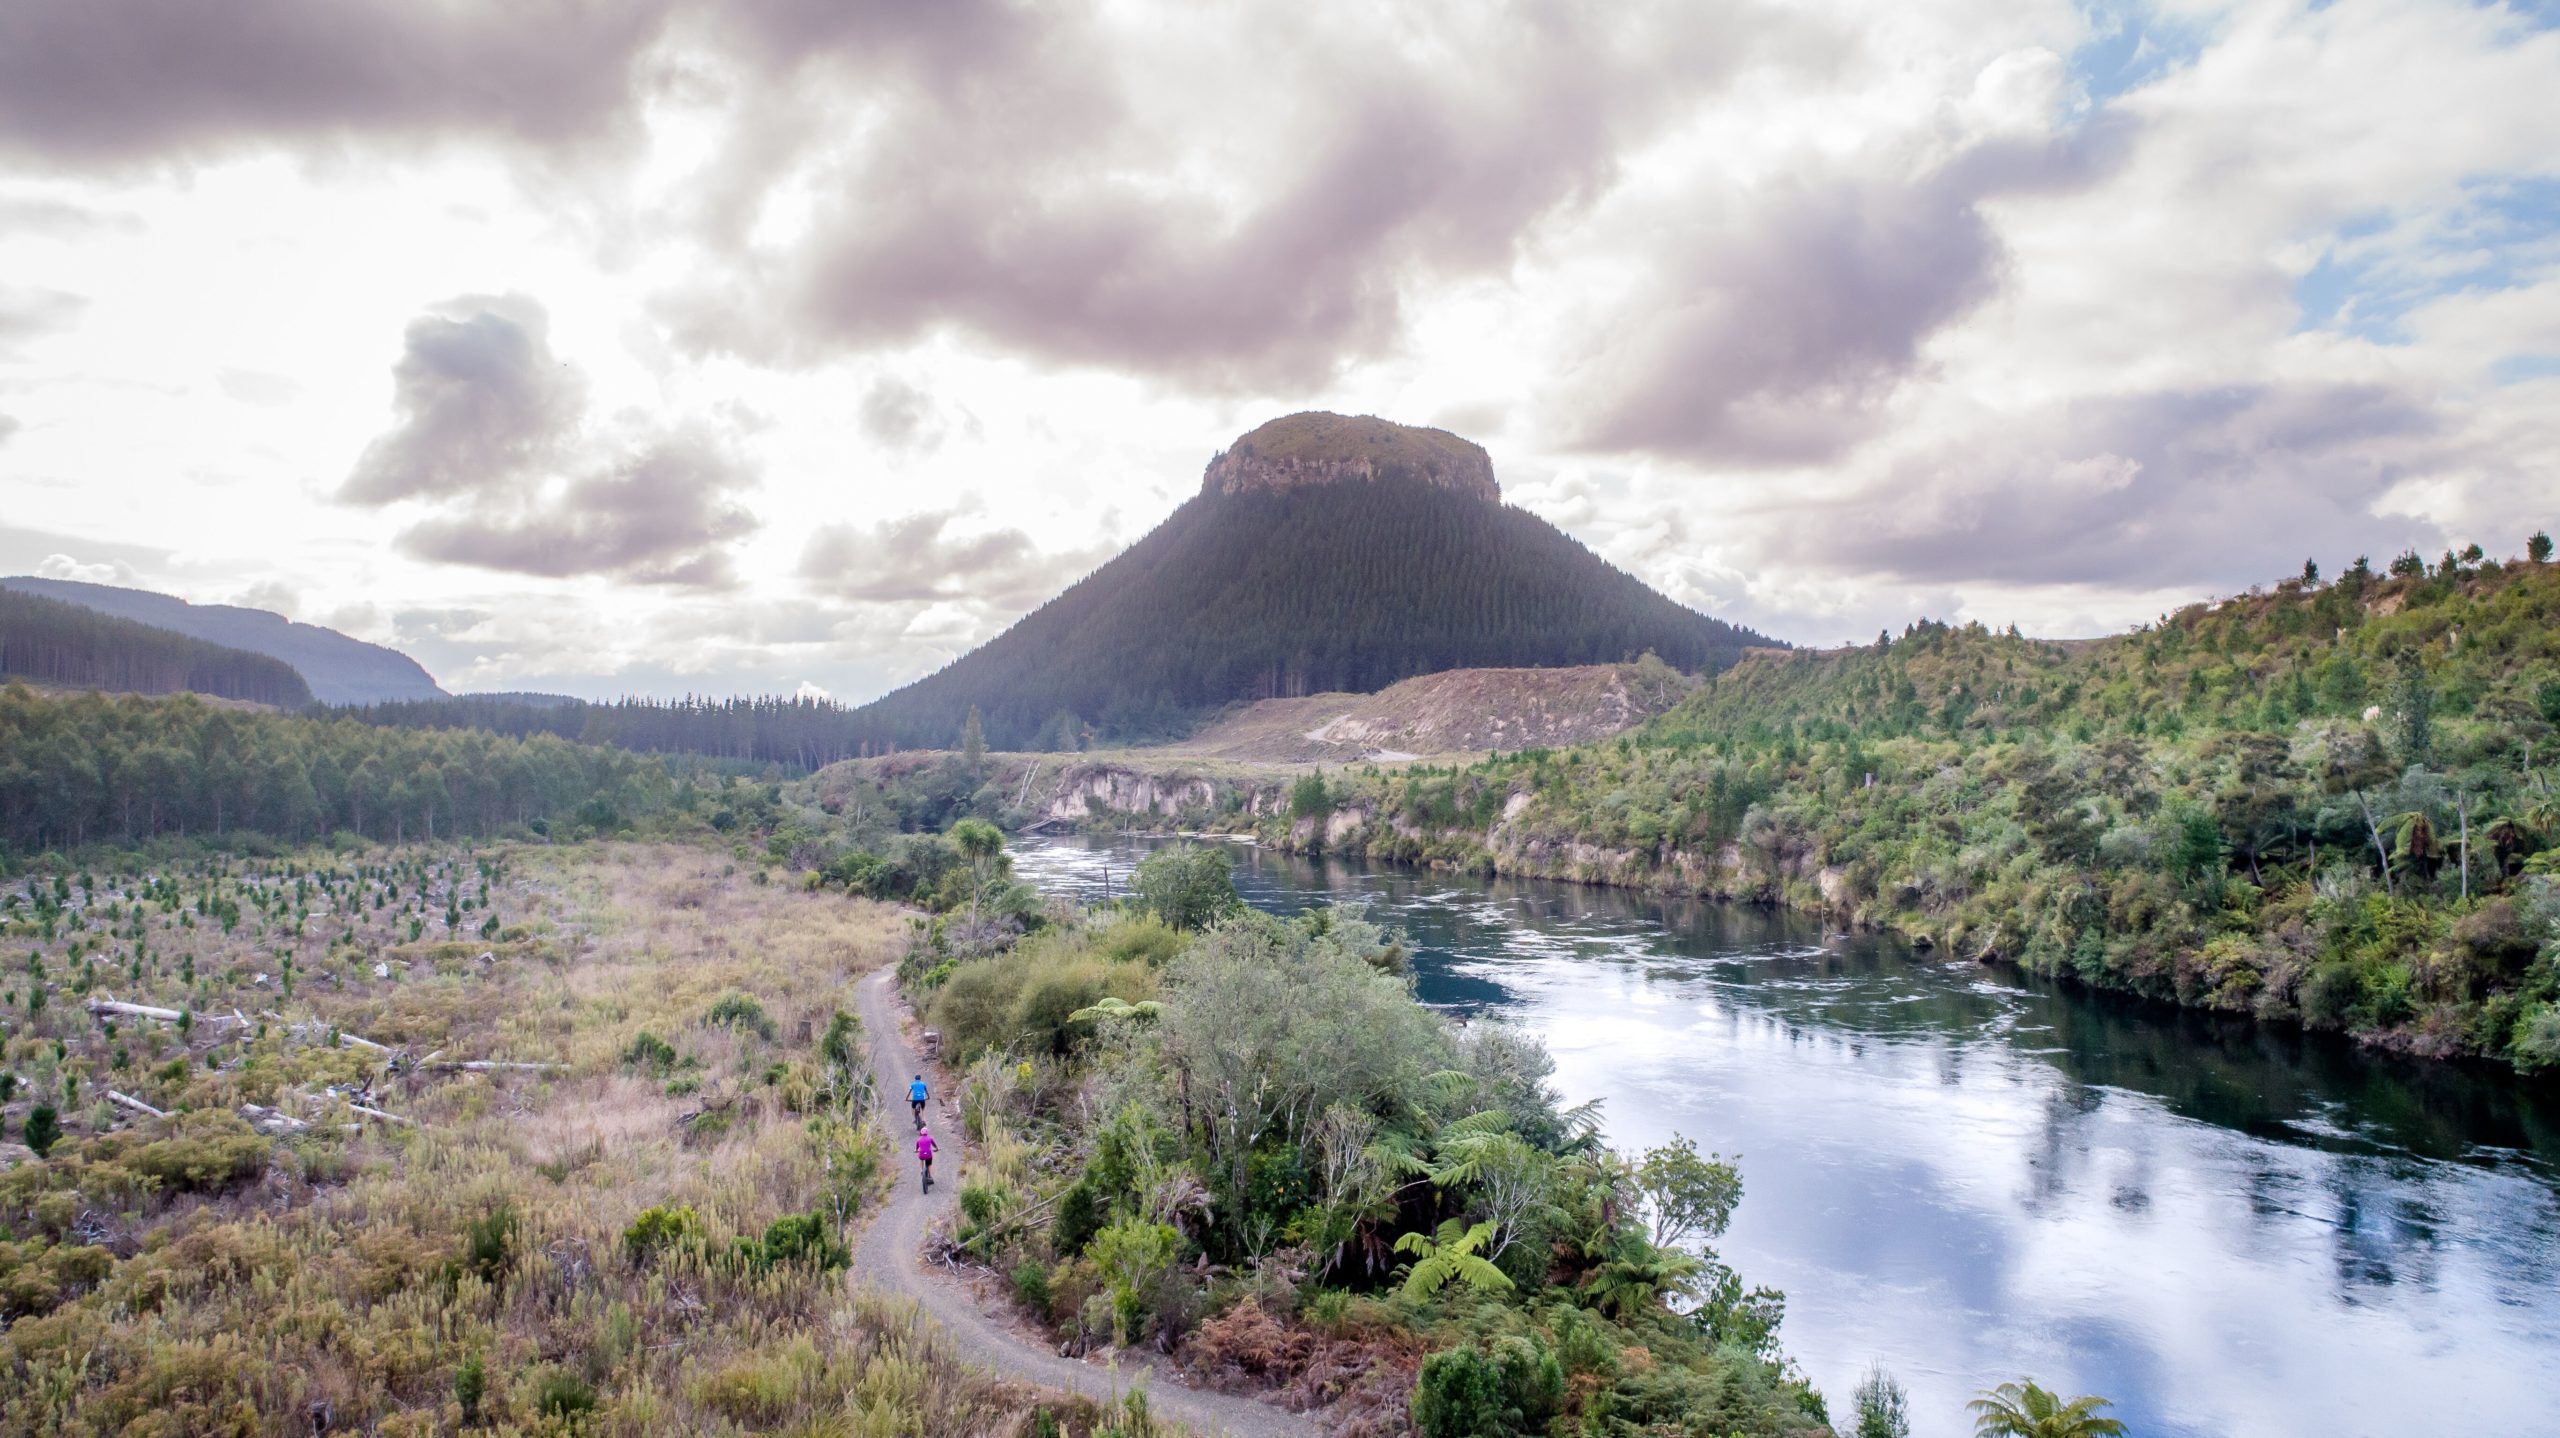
<point>1970,1173</point>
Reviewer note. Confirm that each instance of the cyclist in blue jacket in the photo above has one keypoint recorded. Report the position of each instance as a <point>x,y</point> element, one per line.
<point>915,1099</point>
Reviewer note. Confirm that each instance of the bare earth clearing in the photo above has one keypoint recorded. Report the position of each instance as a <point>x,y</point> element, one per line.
<point>327,1235</point>
<point>1458,712</point>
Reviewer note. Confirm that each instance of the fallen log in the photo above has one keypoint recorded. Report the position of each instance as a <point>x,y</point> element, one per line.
<point>136,1011</point>
<point>335,1035</point>
<point>371,1112</point>
<point>483,1066</point>
<point>126,1100</point>
<point>271,1119</point>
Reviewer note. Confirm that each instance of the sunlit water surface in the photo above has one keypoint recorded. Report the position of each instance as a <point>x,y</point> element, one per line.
<point>1971,1176</point>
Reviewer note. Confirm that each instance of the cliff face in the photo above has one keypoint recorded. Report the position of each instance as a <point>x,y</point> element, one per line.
<point>1302,451</point>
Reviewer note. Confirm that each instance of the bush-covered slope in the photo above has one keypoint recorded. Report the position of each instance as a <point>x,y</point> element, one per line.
<point>1260,594</point>
<point>47,642</point>
<point>2328,802</point>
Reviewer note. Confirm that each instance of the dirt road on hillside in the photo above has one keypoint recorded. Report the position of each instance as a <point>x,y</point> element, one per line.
<point>891,1256</point>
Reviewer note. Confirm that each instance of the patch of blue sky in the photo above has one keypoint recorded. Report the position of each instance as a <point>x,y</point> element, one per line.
<point>2517,369</point>
<point>2501,232</point>
<point>2130,46</point>
<point>2531,15</point>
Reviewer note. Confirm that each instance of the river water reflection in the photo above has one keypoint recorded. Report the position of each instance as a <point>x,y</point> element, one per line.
<point>1970,1175</point>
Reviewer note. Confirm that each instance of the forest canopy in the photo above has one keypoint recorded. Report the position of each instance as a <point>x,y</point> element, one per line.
<point>46,641</point>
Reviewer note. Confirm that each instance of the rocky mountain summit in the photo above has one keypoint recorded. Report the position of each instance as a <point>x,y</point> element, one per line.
<point>1301,451</point>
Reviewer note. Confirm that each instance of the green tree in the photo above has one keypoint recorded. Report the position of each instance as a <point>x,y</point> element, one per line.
<point>1883,1409</point>
<point>2413,698</point>
<point>2023,1410</point>
<point>1308,799</point>
<point>973,740</point>
<point>1189,886</point>
<point>44,1129</point>
<point>1688,1197</point>
<point>2538,548</point>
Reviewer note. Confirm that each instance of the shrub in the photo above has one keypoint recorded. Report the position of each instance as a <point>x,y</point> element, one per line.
<point>470,1386</point>
<point>1080,1216</point>
<point>659,1229</point>
<point>743,1013</point>
<point>1532,1380</point>
<point>1187,886</point>
<point>2328,995</point>
<point>207,1151</point>
<point>841,1047</point>
<point>1134,1256</point>
<point>1249,1340</point>
<point>562,1395</point>
<point>650,1053</point>
<point>488,1245</point>
<point>1458,1394</point>
<point>794,1238</point>
<point>1031,1286</point>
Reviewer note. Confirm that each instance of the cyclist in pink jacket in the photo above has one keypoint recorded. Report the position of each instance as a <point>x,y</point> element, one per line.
<point>924,1152</point>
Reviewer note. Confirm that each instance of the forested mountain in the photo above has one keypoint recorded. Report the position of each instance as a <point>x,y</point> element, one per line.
<point>1322,554</point>
<point>339,670</point>
<point>50,642</point>
<point>89,769</point>
<point>2330,803</point>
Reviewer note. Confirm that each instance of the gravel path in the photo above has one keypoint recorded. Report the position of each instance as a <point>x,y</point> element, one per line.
<point>891,1255</point>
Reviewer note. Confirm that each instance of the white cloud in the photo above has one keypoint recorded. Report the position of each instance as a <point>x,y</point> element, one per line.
<point>63,566</point>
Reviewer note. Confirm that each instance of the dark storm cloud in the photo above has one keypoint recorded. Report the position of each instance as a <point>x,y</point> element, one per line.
<point>1031,207</point>
<point>917,559</point>
<point>84,83</point>
<point>1773,331</point>
<point>2207,488</point>
<point>493,431</point>
<point>481,399</point>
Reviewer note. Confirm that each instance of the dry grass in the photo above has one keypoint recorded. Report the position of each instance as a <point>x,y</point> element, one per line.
<point>357,1280</point>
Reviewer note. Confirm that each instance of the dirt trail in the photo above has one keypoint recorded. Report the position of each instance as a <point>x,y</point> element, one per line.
<point>891,1255</point>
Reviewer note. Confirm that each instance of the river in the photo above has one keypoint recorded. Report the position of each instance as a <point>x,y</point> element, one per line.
<point>1969,1175</point>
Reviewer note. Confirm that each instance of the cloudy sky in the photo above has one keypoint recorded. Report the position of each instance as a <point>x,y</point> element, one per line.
<point>668,345</point>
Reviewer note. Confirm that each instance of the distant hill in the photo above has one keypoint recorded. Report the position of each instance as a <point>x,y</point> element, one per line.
<point>338,669</point>
<point>49,642</point>
<point>1322,553</point>
<point>528,698</point>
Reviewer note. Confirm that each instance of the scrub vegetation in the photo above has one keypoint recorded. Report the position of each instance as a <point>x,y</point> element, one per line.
<point>2331,802</point>
<point>511,1138</point>
<point>1239,1140</point>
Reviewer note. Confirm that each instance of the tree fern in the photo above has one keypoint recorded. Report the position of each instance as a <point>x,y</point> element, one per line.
<point>1454,1254</point>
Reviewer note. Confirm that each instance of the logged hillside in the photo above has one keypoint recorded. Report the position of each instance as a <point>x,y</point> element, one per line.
<point>2325,803</point>
<point>44,641</point>
<point>1462,711</point>
<point>339,670</point>
<point>1273,584</point>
